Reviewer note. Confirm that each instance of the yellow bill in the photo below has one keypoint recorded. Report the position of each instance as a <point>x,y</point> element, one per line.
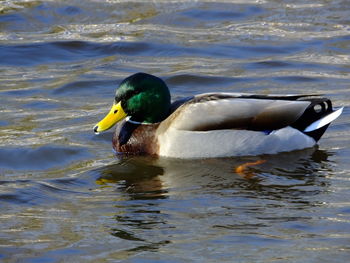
<point>115,115</point>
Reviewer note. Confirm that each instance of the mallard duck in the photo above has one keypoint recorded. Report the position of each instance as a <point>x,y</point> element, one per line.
<point>212,124</point>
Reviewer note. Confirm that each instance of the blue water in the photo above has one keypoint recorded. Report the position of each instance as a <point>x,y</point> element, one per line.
<point>66,197</point>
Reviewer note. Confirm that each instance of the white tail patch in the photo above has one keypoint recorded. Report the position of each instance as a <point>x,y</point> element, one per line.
<point>324,121</point>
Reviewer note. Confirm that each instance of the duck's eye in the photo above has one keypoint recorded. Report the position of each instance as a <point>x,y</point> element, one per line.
<point>132,93</point>
<point>115,111</point>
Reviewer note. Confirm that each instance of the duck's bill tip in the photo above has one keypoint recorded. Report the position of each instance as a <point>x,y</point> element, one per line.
<point>96,131</point>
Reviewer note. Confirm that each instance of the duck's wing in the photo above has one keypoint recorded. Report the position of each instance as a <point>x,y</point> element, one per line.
<point>214,111</point>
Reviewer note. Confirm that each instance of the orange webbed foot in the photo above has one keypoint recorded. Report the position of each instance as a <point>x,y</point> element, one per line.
<point>243,169</point>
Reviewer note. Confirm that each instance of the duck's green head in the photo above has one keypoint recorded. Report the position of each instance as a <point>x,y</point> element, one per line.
<point>142,97</point>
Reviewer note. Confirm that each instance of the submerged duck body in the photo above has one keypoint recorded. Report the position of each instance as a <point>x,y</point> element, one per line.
<point>212,124</point>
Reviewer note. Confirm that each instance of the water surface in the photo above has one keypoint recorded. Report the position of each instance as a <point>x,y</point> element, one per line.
<point>66,197</point>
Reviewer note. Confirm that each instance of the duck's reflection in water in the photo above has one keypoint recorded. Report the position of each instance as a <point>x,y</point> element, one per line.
<point>158,178</point>
<point>136,176</point>
<point>150,192</point>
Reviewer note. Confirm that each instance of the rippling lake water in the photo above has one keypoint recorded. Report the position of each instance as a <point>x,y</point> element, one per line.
<point>66,197</point>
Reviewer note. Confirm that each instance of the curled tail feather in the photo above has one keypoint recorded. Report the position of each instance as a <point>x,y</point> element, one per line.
<point>317,117</point>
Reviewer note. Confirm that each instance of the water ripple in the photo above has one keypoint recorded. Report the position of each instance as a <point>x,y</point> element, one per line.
<point>41,158</point>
